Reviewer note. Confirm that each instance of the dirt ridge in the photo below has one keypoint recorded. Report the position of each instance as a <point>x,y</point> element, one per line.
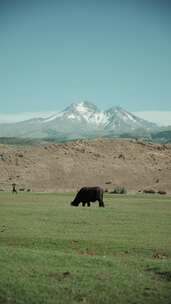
<point>136,165</point>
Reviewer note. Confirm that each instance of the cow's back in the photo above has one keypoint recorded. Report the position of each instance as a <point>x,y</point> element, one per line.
<point>90,194</point>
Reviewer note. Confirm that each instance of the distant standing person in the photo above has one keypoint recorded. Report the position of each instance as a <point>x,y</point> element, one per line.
<point>14,188</point>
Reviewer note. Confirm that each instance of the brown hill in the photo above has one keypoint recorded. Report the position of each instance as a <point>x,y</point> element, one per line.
<point>63,167</point>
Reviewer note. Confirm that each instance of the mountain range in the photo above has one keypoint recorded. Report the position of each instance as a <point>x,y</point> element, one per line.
<point>79,120</point>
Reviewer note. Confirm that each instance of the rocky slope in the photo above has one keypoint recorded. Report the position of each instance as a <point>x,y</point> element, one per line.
<point>109,163</point>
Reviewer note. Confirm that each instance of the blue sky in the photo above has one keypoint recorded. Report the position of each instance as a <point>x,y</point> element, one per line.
<point>53,53</point>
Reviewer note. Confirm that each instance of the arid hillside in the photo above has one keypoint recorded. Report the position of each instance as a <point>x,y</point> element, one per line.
<point>64,167</point>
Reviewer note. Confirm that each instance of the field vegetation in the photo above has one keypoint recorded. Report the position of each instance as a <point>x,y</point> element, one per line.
<point>53,253</point>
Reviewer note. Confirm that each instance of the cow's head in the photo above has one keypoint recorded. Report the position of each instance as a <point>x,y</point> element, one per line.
<point>74,203</point>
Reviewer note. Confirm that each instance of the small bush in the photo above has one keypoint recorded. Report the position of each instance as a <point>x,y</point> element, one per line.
<point>119,190</point>
<point>149,191</point>
<point>162,192</point>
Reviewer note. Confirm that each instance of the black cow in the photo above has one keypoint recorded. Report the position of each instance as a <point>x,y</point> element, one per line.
<point>88,194</point>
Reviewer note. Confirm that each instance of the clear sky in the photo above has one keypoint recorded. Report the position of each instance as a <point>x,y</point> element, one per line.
<point>53,53</point>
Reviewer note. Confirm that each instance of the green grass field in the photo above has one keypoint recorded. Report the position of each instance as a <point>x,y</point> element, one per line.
<point>51,252</point>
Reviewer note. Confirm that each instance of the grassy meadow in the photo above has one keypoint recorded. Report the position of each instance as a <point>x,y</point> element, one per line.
<point>53,253</point>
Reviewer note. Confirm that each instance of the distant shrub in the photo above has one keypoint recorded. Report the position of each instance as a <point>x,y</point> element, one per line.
<point>121,156</point>
<point>20,155</point>
<point>119,190</point>
<point>149,191</point>
<point>162,192</point>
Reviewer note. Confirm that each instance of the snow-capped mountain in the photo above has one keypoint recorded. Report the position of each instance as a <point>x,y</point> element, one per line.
<point>84,112</point>
<point>120,120</point>
<point>78,120</point>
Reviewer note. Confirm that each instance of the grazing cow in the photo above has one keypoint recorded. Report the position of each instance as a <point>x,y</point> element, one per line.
<point>88,194</point>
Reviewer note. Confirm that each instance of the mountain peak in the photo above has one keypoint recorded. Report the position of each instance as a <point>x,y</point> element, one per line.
<point>84,111</point>
<point>115,109</point>
<point>82,106</point>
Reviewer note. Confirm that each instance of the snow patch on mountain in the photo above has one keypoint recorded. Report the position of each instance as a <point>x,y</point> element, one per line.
<point>128,116</point>
<point>71,116</point>
<point>80,107</point>
<point>53,117</point>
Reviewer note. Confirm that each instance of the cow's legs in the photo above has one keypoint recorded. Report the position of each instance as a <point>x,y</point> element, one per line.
<point>101,203</point>
<point>88,204</point>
